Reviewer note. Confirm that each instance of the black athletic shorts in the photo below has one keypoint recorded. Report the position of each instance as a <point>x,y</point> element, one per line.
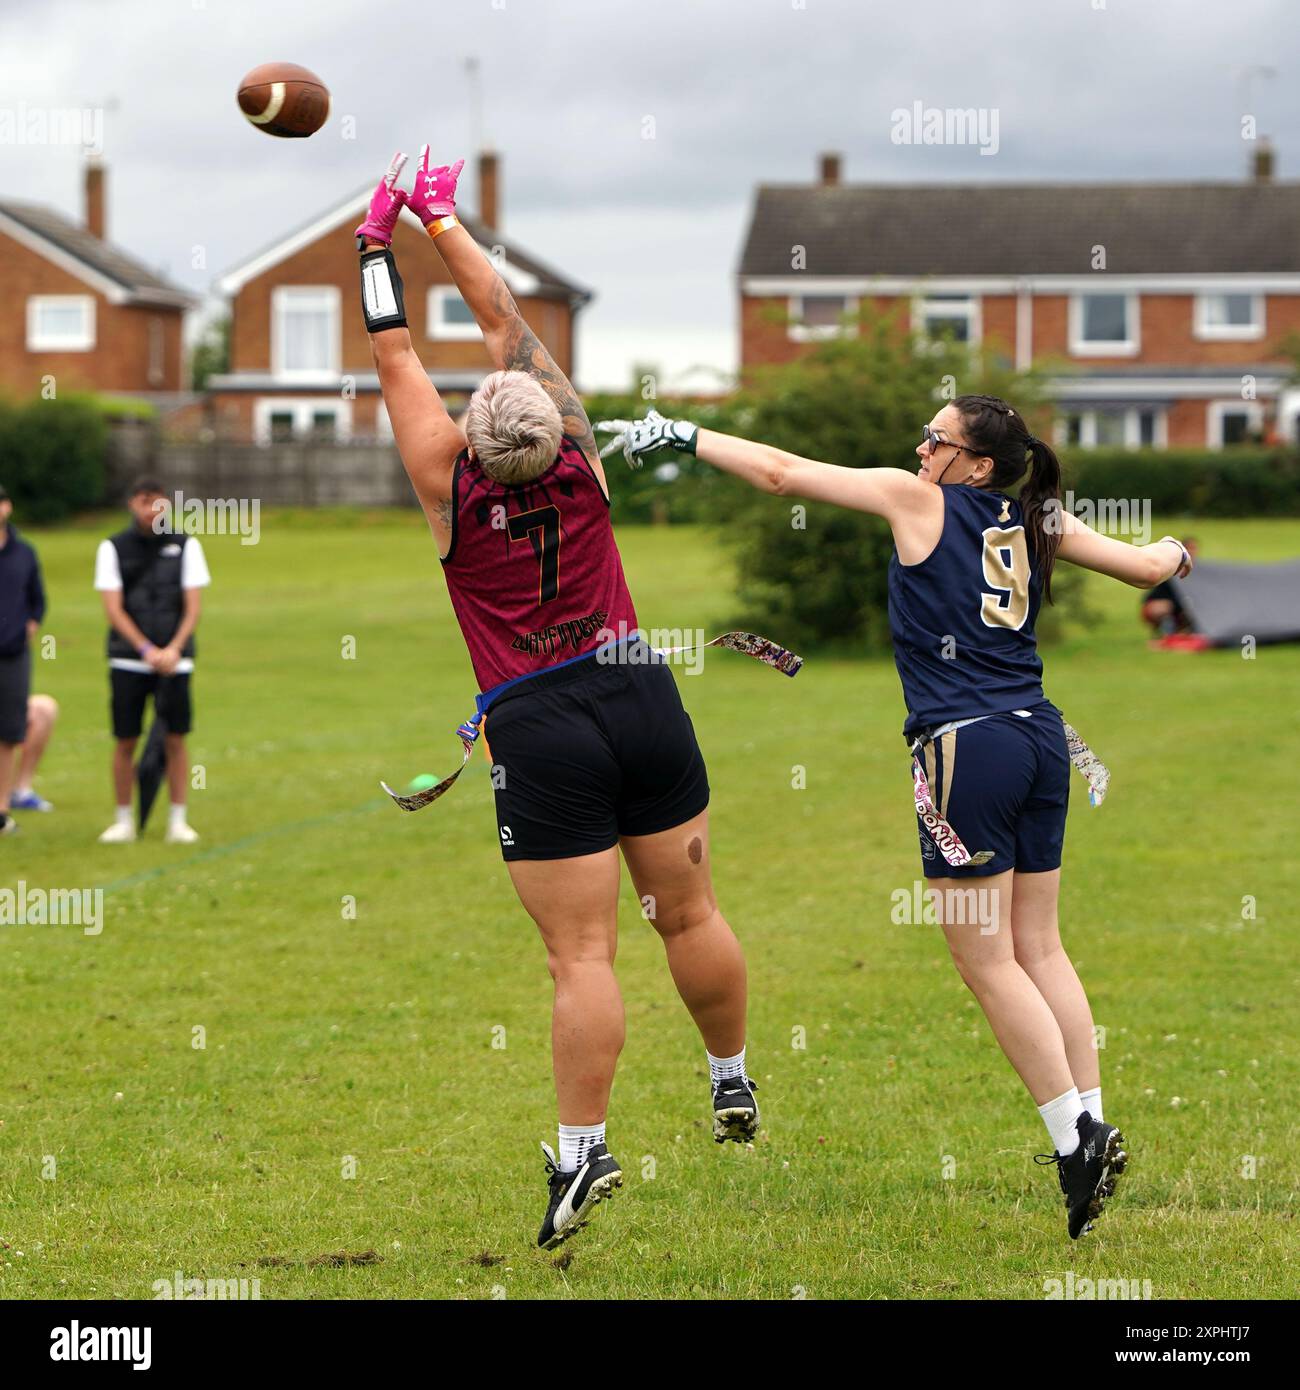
<point>130,691</point>
<point>15,684</point>
<point>590,751</point>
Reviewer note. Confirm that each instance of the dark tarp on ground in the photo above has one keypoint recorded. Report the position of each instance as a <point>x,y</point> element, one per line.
<point>1228,602</point>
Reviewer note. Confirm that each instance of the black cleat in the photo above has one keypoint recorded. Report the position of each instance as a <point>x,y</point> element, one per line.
<point>573,1195</point>
<point>1088,1175</point>
<point>735,1111</point>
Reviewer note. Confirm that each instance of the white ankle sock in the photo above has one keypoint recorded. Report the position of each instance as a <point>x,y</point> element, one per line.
<point>726,1068</point>
<point>576,1142</point>
<point>177,816</point>
<point>123,816</point>
<point>1091,1102</point>
<point>1059,1116</point>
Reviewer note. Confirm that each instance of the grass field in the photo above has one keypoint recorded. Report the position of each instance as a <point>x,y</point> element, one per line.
<point>895,1159</point>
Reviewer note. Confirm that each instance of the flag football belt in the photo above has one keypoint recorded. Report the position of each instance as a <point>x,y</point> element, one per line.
<point>1094,771</point>
<point>750,643</point>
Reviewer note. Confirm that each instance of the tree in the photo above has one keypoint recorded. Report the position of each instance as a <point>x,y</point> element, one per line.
<point>211,354</point>
<point>819,574</point>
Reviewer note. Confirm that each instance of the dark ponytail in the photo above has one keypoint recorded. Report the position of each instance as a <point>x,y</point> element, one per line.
<point>993,428</point>
<point>1040,501</point>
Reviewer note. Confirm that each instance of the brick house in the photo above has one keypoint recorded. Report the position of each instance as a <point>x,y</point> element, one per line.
<point>1173,340</point>
<point>81,310</point>
<point>299,356</point>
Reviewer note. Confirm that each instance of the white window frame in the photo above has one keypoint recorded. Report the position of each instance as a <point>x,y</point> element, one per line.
<point>1132,427</point>
<point>331,299</point>
<point>437,328</point>
<point>1081,347</point>
<point>1228,332</point>
<point>799,332</point>
<point>971,306</point>
<point>1216,410</point>
<point>302,408</point>
<point>44,342</point>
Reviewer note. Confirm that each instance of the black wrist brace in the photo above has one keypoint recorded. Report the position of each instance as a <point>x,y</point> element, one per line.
<point>381,291</point>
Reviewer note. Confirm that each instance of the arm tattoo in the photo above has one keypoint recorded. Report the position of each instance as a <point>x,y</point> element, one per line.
<point>524,352</point>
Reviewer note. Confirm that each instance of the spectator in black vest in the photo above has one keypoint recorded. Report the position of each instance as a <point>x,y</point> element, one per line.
<point>151,580</point>
<point>22,608</point>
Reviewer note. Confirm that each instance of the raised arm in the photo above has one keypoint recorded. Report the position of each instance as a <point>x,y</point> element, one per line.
<point>1142,566</point>
<point>427,438</point>
<point>893,493</point>
<point>511,344</point>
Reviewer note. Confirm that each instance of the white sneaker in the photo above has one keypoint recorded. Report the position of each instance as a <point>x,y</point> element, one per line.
<point>121,832</point>
<point>182,834</point>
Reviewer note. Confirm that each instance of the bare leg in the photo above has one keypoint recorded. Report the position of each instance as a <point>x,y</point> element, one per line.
<point>672,876</point>
<point>178,769</point>
<point>1020,1017</point>
<point>575,905</point>
<point>1037,939</point>
<point>123,770</point>
<point>7,754</point>
<point>42,711</point>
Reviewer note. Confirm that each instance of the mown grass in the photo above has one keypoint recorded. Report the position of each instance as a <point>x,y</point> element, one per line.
<point>895,1156</point>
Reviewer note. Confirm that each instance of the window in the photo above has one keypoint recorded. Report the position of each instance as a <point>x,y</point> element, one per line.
<point>1116,427</point>
<point>60,323</point>
<point>1238,317</point>
<point>1233,422</point>
<point>449,317</point>
<point>1103,325</point>
<point>817,316</point>
<point>278,420</point>
<point>948,315</point>
<point>305,330</point>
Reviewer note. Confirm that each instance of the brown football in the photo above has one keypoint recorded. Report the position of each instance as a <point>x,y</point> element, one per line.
<point>284,99</point>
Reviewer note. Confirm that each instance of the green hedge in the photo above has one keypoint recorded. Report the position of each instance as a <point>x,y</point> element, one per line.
<point>52,456</point>
<point>1247,481</point>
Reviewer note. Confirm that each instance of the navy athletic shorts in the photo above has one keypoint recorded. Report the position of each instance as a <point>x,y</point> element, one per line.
<point>1003,784</point>
<point>590,751</point>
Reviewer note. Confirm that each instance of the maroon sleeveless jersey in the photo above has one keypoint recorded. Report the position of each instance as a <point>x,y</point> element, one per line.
<point>534,575</point>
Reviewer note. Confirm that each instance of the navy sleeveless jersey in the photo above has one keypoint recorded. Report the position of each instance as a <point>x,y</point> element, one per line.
<point>963,619</point>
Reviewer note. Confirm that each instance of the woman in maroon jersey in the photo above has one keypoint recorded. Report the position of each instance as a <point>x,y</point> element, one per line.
<point>594,751</point>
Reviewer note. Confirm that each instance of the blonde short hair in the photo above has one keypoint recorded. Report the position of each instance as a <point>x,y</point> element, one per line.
<point>514,427</point>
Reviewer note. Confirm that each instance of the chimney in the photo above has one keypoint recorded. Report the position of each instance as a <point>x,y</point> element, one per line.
<point>1262,160</point>
<point>830,170</point>
<point>489,189</point>
<point>95,222</point>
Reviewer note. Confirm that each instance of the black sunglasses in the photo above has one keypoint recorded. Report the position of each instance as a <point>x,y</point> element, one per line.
<point>932,441</point>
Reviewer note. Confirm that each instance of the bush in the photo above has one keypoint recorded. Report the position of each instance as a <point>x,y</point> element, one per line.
<point>1246,481</point>
<point>52,456</point>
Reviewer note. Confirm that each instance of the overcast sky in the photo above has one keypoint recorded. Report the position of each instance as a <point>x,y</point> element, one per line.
<point>739,92</point>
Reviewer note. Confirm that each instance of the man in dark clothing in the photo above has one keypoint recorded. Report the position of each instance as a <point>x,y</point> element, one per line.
<point>151,581</point>
<point>22,609</point>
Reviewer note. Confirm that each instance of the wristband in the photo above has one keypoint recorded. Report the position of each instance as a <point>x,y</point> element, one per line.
<point>442,224</point>
<point>145,649</point>
<point>1186,558</point>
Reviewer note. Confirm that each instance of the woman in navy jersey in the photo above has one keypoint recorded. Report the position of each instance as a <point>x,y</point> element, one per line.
<point>972,563</point>
<point>593,751</point>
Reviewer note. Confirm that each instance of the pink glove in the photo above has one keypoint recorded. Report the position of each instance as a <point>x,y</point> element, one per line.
<point>386,205</point>
<point>434,195</point>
